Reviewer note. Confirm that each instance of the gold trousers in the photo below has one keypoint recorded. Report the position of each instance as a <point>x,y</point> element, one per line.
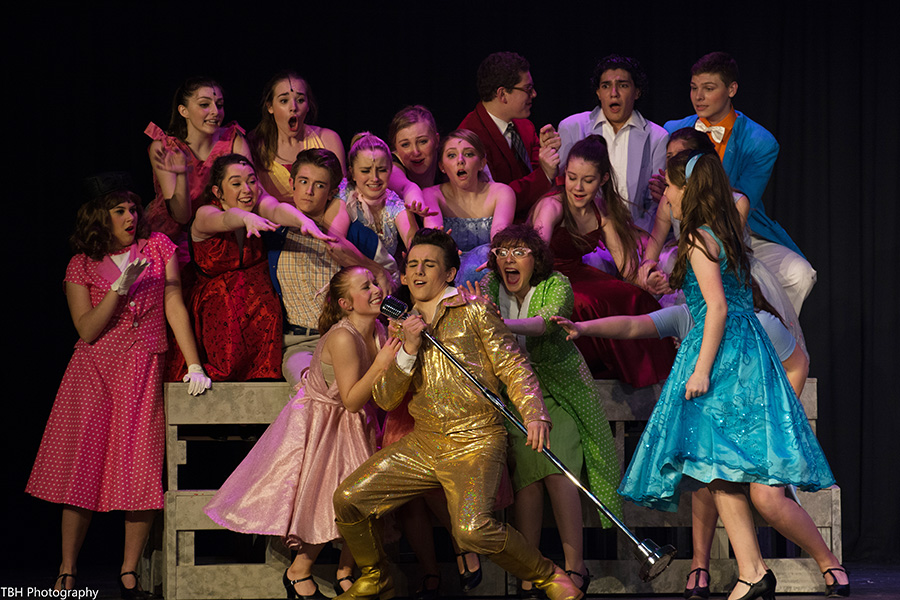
<point>467,465</point>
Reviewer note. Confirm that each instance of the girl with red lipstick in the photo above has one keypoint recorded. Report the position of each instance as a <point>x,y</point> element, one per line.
<point>473,208</point>
<point>285,129</point>
<point>102,449</point>
<point>523,284</point>
<point>573,221</point>
<point>236,314</point>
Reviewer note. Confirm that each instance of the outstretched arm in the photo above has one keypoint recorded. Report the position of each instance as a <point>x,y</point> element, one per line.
<point>414,198</point>
<point>617,328</point>
<point>211,220</point>
<point>289,215</point>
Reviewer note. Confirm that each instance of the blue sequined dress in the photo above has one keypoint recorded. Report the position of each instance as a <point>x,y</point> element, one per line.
<point>473,236</point>
<point>749,426</point>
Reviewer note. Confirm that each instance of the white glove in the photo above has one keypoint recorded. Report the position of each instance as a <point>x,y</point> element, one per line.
<point>129,275</point>
<point>197,380</point>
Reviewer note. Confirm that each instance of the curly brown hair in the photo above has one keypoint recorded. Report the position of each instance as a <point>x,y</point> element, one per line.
<point>516,235</point>
<point>93,235</point>
<point>499,70</point>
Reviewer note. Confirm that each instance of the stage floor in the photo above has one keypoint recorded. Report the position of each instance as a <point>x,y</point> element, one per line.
<point>868,580</point>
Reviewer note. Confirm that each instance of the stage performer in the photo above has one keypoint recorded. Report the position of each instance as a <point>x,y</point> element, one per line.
<point>234,309</point>
<point>413,138</point>
<point>637,147</point>
<point>516,154</point>
<point>284,485</point>
<point>657,263</point>
<point>474,209</point>
<point>182,158</point>
<point>777,507</point>
<point>102,449</point>
<point>727,416</point>
<point>574,221</point>
<point>369,199</point>
<point>748,152</point>
<point>300,265</point>
<point>523,284</point>
<point>288,109</point>
<point>458,442</point>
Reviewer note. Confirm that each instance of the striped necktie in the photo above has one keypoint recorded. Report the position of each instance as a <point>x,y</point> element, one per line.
<point>518,145</point>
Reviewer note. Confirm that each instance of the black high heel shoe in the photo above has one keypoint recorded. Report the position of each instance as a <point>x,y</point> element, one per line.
<point>530,594</point>
<point>469,580</point>
<point>292,591</point>
<point>585,579</point>
<point>426,593</point>
<point>134,593</point>
<point>338,588</point>
<point>835,589</point>
<point>700,592</point>
<point>764,588</point>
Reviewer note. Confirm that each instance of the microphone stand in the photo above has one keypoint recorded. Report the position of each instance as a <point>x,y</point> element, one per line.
<point>654,558</point>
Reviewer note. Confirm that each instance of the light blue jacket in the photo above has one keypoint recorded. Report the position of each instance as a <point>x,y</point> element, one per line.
<point>749,158</point>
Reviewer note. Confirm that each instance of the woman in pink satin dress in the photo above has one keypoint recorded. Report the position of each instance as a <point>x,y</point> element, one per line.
<point>284,486</point>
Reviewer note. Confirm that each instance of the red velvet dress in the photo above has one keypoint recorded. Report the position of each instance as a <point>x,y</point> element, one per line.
<point>234,310</point>
<point>598,294</point>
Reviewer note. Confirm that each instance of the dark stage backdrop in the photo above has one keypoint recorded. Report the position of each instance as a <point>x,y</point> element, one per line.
<point>82,83</point>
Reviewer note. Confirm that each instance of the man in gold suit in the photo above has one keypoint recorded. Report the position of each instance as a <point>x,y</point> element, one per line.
<point>459,441</point>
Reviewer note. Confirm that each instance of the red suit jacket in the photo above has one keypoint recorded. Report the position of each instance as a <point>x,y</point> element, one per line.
<point>504,164</point>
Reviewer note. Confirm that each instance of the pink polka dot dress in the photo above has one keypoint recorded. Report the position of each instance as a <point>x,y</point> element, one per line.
<point>103,445</point>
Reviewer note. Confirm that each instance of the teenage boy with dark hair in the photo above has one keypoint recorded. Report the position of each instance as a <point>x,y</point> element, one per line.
<point>458,442</point>
<point>748,152</point>
<point>637,147</point>
<point>516,155</point>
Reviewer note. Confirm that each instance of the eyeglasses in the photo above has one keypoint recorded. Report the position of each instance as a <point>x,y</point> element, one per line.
<point>528,89</point>
<point>517,253</point>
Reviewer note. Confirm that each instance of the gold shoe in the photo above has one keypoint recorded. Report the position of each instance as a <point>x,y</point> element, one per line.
<point>526,562</point>
<point>364,540</point>
<point>559,586</point>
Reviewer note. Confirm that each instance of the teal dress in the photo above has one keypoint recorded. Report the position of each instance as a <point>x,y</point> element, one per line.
<point>749,426</point>
<point>580,437</point>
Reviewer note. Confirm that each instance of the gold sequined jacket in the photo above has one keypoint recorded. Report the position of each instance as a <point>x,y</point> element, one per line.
<point>445,401</point>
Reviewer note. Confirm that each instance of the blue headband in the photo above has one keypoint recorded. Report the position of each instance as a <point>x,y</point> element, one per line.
<point>689,167</point>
